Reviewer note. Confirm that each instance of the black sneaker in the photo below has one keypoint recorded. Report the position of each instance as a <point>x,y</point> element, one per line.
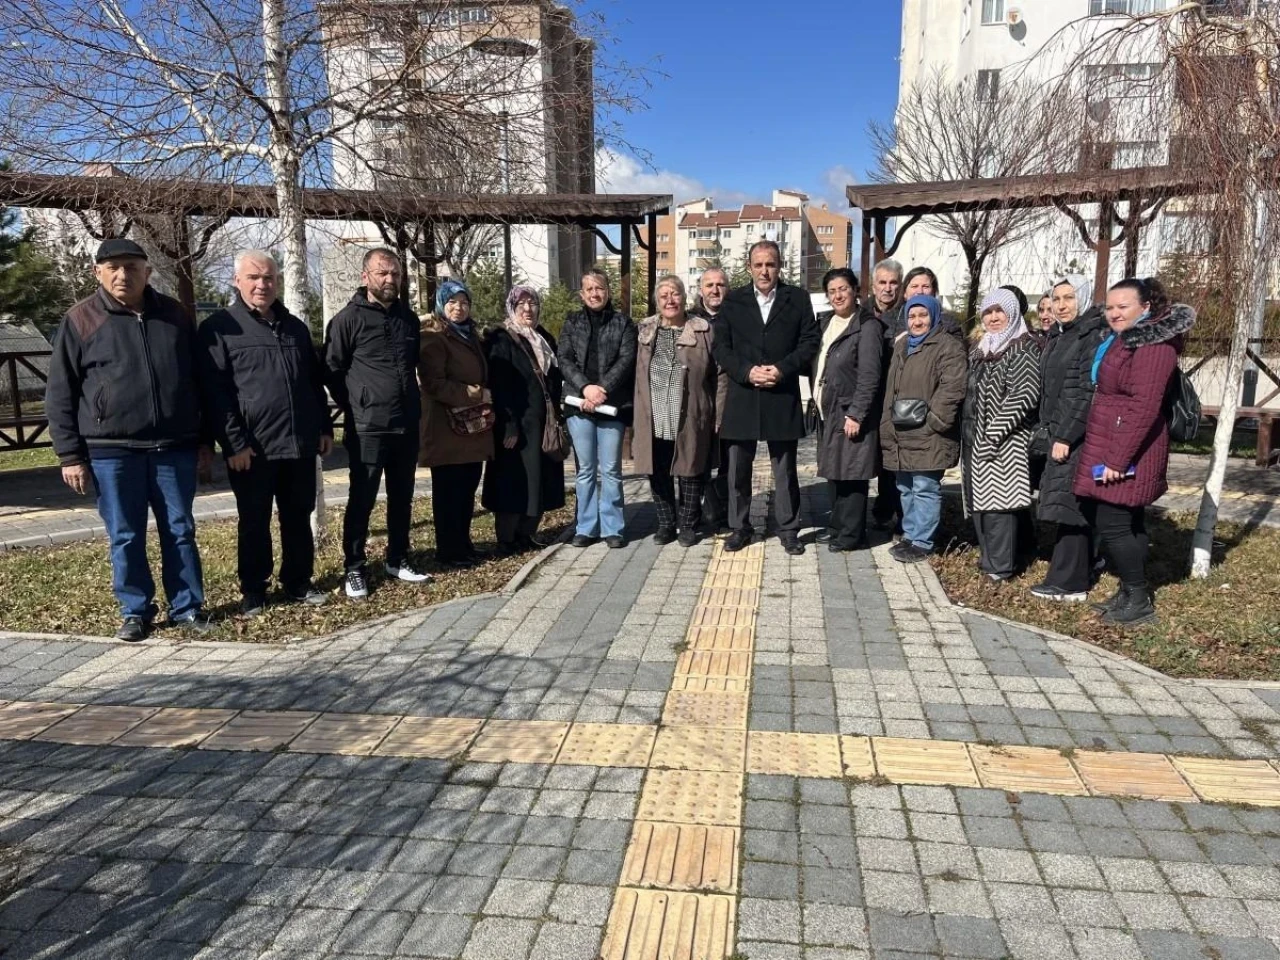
<point>1133,609</point>
<point>582,540</point>
<point>198,622</point>
<point>792,546</point>
<point>911,553</point>
<point>688,538</point>
<point>664,536</point>
<point>738,540</point>
<point>355,585</point>
<point>615,542</point>
<point>132,630</point>
<point>308,595</point>
<point>1109,604</point>
<point>253,604</point>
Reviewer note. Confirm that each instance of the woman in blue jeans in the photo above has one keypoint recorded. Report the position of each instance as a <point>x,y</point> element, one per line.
<point>920,426</point>
<point>597,357</point>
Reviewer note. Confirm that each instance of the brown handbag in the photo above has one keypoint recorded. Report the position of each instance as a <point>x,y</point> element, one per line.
<point>468,421</point>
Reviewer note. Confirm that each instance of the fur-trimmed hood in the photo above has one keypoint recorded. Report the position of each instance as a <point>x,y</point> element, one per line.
<point>1175,323</point>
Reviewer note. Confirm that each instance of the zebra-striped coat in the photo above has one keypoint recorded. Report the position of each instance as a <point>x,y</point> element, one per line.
<point>999,412</point>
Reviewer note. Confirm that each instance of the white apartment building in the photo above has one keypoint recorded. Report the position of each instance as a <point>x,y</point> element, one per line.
<point>1038,41</point>
<point>521,72</point>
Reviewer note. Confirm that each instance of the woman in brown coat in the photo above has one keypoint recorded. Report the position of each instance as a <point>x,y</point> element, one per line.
<point>457,420</point>
<point>675,411</point>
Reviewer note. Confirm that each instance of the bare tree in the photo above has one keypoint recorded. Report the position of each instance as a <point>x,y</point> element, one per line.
<point>946,130</point>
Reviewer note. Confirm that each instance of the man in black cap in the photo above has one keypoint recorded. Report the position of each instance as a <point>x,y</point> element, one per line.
<point>124,410</point>
<point>270,413</point>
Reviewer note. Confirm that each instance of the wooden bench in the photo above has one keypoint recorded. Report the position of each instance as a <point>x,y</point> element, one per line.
<point>1267,419</point>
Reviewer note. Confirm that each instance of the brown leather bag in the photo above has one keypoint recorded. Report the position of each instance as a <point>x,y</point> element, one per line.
<point>467,421</point>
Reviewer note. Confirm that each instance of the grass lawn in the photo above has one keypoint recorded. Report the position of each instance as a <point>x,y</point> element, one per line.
<point>1244,443</point>
<point>22,459</point>
<point>1227,626</point>
<point>67,589</point>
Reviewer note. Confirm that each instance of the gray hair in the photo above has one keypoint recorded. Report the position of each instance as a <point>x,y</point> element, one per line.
<point>671,280</point>
<point>257,256</point>
<point>893,266</point>
<point>770,244</point>
<point>720,270</point>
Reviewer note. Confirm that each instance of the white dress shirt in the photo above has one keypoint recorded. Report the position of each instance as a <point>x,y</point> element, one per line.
<point>766,302</point>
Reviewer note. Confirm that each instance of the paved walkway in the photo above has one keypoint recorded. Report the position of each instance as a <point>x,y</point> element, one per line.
<point>642,754</point>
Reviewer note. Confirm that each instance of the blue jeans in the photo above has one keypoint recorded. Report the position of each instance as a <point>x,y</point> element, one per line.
<point>165,481</point>
<point>597,451</point>
<point>921,492</point>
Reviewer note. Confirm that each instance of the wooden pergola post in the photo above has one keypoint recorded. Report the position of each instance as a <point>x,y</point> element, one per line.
<point>625,270</point>
<point>865,278</point>
<point>1102,266</point>
<point>652,279</point>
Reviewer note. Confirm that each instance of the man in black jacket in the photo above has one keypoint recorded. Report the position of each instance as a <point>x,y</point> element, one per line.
<point>885,305</point>
<point>267,402</point>
<point>713,287</point>
<point>765,338</point>
<point>371,352</point>
<point>124,410</point>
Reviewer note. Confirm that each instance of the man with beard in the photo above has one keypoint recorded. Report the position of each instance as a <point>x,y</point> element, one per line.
<point>712,289</point>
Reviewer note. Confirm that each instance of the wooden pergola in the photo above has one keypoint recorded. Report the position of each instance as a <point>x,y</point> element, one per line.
<point>1143,191</point>
<point>405,217</point>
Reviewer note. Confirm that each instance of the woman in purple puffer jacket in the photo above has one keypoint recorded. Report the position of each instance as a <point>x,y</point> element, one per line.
<point>1126,448</point>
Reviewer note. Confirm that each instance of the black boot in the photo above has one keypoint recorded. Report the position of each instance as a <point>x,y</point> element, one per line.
<point>1109,604</point>
<point>1134,608</point>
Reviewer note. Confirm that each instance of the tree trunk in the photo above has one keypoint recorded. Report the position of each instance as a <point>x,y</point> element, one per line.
<point>1248,309</point>
<point>974,292</point>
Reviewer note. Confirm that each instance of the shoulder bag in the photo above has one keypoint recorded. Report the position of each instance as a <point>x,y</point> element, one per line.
<point>909,414</point>
<point>468,421</point>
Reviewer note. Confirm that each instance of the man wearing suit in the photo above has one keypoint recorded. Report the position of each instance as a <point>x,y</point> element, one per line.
<point>765,337</point>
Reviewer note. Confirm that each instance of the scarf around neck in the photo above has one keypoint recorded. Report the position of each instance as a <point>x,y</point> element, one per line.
<point>994,343</point>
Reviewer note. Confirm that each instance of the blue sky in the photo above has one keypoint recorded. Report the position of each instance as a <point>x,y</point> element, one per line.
<point>756,94</point>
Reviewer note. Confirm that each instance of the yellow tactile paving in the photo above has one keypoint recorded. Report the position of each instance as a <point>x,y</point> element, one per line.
<point>684,708</point>
<point>715,596</point>
<point>729,580</point>
<point>96,725</point>
<point>22,719</point>
<point>858,760</point>
<point>519,741</point>
<point>721,638</point>
<point>794,754</point>
<point>938,762</point>
<point>700,748</point>
<point>683,683</point>
<point>433,738</point>
<point>1232,781</point>
<point>657,925</point>
<point>173,727</point>
<point>723,617</point>
<point>677,856</point>
<point>1150,776</point>
<point>692,796</point>
<point>608,745</point>
<point>714,663</point>
<point>1033,769</point>
<point>344,733</point>
<point>259,730</point>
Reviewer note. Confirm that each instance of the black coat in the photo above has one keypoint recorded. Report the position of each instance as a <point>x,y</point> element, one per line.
<point>522,480</point>
<point>789,341</point>
<point>852,386</point>
<point>121,379</point>
<point>615,359</point>
<point>264,383</point>
<point>371,356</point>
<point>1066,393</point>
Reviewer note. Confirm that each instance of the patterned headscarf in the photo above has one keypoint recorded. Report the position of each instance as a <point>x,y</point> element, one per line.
<point>992,343</point>
<point>542,351</point>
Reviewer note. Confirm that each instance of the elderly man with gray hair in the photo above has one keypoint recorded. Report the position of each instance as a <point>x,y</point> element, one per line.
<point>270,414</point>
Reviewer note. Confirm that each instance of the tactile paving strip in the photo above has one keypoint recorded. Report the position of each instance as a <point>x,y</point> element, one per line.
<point>705,709</point>
<point>351,734</point>
<point>723,617</point>
<point>1150,776</point>
<point>682,683</point>
<point>721,638</point>
<point>794,754</point>
<point>700,748</point>
<point>1026,769</point>
<point>681,856</point>
<point>924,761</point>
<point>658,925</point>
<point>96,725</point>
<point>714,663</point>
<point>22,720</point>
<point>1232,781</point>
<point>692,796</point>
<point>608,745</point>
<point>729,597</point>
<point>432,738</point>
<point>176,727</point>
<point>259,730</point>
<point>519,741</point>
<point>858,761</point>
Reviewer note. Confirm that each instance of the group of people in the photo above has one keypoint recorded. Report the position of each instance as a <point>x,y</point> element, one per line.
<point>138,395</point>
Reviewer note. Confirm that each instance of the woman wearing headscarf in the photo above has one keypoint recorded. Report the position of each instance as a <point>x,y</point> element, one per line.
<point>920,426</point>
<point>675,411</point>
<point>847,391</point>
<point>521,482</point>
<point>1004,390</point>
<point>1066,391</point>
<point>457,419</point>
<point>1125,458</point>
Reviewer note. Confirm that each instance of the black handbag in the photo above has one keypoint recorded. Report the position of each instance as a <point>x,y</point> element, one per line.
<point>909,414</point>
<point>812,418</point>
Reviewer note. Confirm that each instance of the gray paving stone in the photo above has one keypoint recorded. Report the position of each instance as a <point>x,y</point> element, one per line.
<point>500,939</point>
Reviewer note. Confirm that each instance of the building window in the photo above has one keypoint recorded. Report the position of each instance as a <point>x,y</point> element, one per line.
<point>1100,8</point>
<point>751,228</point>
<point>726,234</point>
<point>664,238</point>
<point>988,86</point>
<point>993,11</point>
<point>1135,153</point>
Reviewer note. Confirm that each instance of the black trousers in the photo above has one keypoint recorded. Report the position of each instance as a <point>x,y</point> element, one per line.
<point>848,524</point>
<point>511,526</point>
<point>1072,559</point>
<point>998,540</point>
<point>786,485</point>
<point>686,513</point>
<point>396,456</point>
<point>453,505</point>
<point>888,500</point>
<point>1123,531</point>
<point>715,499</point>
<point>291,485</point>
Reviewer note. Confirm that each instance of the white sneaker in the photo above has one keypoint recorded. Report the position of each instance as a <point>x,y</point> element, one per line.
<point>355,585</point>
<point>407,574</point>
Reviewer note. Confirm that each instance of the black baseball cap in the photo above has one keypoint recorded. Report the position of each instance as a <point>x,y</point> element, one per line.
<point>118,248</point>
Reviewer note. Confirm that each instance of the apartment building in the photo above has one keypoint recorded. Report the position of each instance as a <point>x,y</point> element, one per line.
<point>488,98</point>
<point>1132,123</point>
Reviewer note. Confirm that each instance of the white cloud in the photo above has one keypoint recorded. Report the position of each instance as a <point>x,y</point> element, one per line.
<point>621,173</point>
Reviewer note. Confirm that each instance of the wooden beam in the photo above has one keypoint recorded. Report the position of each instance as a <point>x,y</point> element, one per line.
<point>625,293</point>
<point>651,251</point>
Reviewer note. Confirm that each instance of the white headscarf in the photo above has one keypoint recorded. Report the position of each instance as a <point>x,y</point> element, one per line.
<point>992,343</point>
<point>1084,292</point>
